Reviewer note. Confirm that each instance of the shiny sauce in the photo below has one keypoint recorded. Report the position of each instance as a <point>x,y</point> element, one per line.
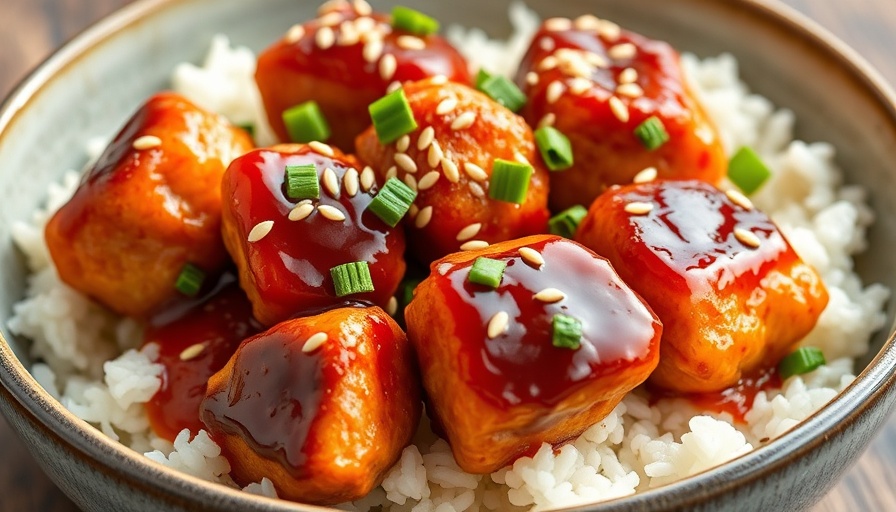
<point>736,400</point>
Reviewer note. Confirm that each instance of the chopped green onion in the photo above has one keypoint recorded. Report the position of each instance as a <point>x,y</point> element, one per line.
<point>556,151</point>
<point>392,201</point>
<point>351,278</point>
<point>306,123</point>
<point>503,91</point>
<point>487,272</point>
<point>652,133</point>
<point>747,171</point>
<point>481,77</point>
<point>392,116</point>
<point>248,127</point>
<point>566,222</point>
<point>302,182</point>
<point>567,332</point>
<point>407,291</point>
<point>800,361</point>
<point>190,279</point>
<point>510,181</point>
<point>415,22</point>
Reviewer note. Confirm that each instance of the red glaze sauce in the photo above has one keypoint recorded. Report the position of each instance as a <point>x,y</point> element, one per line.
<point>736,400</point>
<point>522,366</point>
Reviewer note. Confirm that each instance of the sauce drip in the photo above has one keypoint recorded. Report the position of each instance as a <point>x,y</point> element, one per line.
<point>736,400</point>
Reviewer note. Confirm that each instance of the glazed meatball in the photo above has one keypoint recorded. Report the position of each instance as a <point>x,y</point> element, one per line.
<point>345,60</point>
<point>285,249</point>
<point>732,294</point>
<point>323,405</point>
<point>597,84</point>
<point>147,207</point>
<point>449,160</point>
<point>500,375</point>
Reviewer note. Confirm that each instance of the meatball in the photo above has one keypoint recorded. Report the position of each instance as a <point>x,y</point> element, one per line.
<point>499,374</point>
<point>147,207</point>
<point>449,160</point>
<point>732,294</point>
<point>345,60</point>
<point>596,84</point>
<point>323,405</point>
<point>285,249</point>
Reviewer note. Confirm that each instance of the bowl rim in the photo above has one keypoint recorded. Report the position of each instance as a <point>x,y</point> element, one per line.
<point>869,387</point>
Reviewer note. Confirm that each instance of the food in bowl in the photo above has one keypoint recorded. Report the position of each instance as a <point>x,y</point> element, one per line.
<point>646,440</point>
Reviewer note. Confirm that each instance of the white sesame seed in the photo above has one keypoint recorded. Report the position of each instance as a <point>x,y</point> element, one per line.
<point>557,24</point>
<point>391,172</point>
<point>300,212</point>
<point>498,324</point>
<point>645,176</point>
<point>475,172</point>
<point>413,210</point>
<point>330,5</point>
<point>622,51</point>
<point>464,121</point>
<point>638,208</point>
<point>324,38</point>
<point>260,230</point>
<point>146,142</point>
<point>609,30</point>
<point>435,155</point>
<point>549,295</point>
<point>579,86</point>
<point>423,217</point>
<point>425,139</point>
<point>628,75</point>
<point>428,180</point>
<point>331,19</point>
<point>406,163</point>
<point>739,199</point>
<point>331,212</point>
<point>451,171</point>
<point>192,352</point>
<point>410,43</point>
<point>469,231</point>
<point>532,78</point>
<point>547,44</point>
<point>295,33</point>
<point>403,143</point>
<point>392,306</point>
<point>548,63</point>
<point>368,178</point>
<point>348,34</point>
<point>388,65</point>
<point>587,22</point>
<point>410,181</point>
<point>365,26</point>
<point>394,86</point>
<point>331,182</point>
<point>747,237</point>
<point>632,90</point>
<point>521,158</point>
<point>372,51</point>
<point>619,109</point>
<point>321,148</point>
<point>362,7</point>
<point>445,106</point>
<point>547,120</point>
<point>596,60</point>
<point>555,90</point>
<point>439,80</point>
<point>531,257</point>
<point>474,245</point>
<point>351,182</point>
<point>314,342</point>
<point>476,189</point>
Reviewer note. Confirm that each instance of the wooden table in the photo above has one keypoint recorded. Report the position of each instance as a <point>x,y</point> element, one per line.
<point>30,30</point>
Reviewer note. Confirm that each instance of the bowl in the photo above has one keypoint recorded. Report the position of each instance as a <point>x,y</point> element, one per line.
<point>92,84</point>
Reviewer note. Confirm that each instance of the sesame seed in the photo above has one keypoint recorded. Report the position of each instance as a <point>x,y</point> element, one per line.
<point>739,199</point>
<point>192,352</point>
<point>547,44</point>
<point>331,212</point>
<point>300,212</point>
<point>647,175</point>
<point>547,120</point>
<point>324,38</point>
<point>410,181</point>
<point>351,182</point>
<point>394,86</point>
<point>260,231</point>
<point>609,30</point>
<point>403,143</point>
<point>331,182</point>
<point>557,24</point>
<point>498,324</point>
<point>622,51</point>
<point>365,26</point>
<point>587,22</point>
<point>451,171</point>
<point>413,210</point>
<point>434,156</point>
<point>747,237</point>
<point>439,80</point>
<point>469,231</point>
<point>388,65</point>
<point>392,306</point>
<point>348,34</point>
<point>532,78</point>
<point>423,217</point>
<point>146,142</point>
<point>321,148</point>
<point>426,137</point>
<point>631,90</point>
<point>428,180</point>
<point>295,33</point>
<point>619,109</point>
<point>474,245</point>
<point>580,86</point>
<point>330,19</point>
<point>555,90</point>
<point>406,163</point>
<point>521,158</point>
<point>548,63</point>
<point>445,106</point>
<point>463,121</point>
<point>362,7</point>
<point>638,208</point>
<point>531,257</point>
<point>549,295</point>
<point>476,189</point>
<point>368,178</point>
<point>391,172</point>
<point>628,75</point>
<point>411,43</point>
<point>314,342</point>
<point>475,172</point>
<point>330,5</point>
<point>372,51</point>
<point>596,60</point>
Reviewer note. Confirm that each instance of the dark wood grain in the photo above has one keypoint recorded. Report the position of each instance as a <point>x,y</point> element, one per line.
<point>31,29</point>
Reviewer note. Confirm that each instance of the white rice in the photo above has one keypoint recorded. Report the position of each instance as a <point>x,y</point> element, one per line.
<point>90,363</point>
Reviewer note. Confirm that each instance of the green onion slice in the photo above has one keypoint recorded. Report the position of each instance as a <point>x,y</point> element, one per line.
<point>487,272</point>
<point>652,133</point>
<point>392,116</point>
<point>415,22</point>
<point>800,361</point>
<point>393,201</point>
<point>567,332</point>
<point>248,127</point>
<point>509,181</point>
<point>190,280</point>
<point>351,278</point>
<point>306,123</point>
<point>481,76</point>
<point>503,91</point>
<point>747,171</point>
<point>566,222</point>
<point>302,182</point>
<point>556,151</point>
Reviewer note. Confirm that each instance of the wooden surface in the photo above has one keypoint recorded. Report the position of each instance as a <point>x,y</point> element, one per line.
<point>30,30</point>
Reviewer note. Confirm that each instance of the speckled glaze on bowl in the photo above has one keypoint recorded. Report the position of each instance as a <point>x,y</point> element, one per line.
<point>92,85</point>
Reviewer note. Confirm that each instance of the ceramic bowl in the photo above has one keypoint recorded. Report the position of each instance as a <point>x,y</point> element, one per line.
<point>93,83</point>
